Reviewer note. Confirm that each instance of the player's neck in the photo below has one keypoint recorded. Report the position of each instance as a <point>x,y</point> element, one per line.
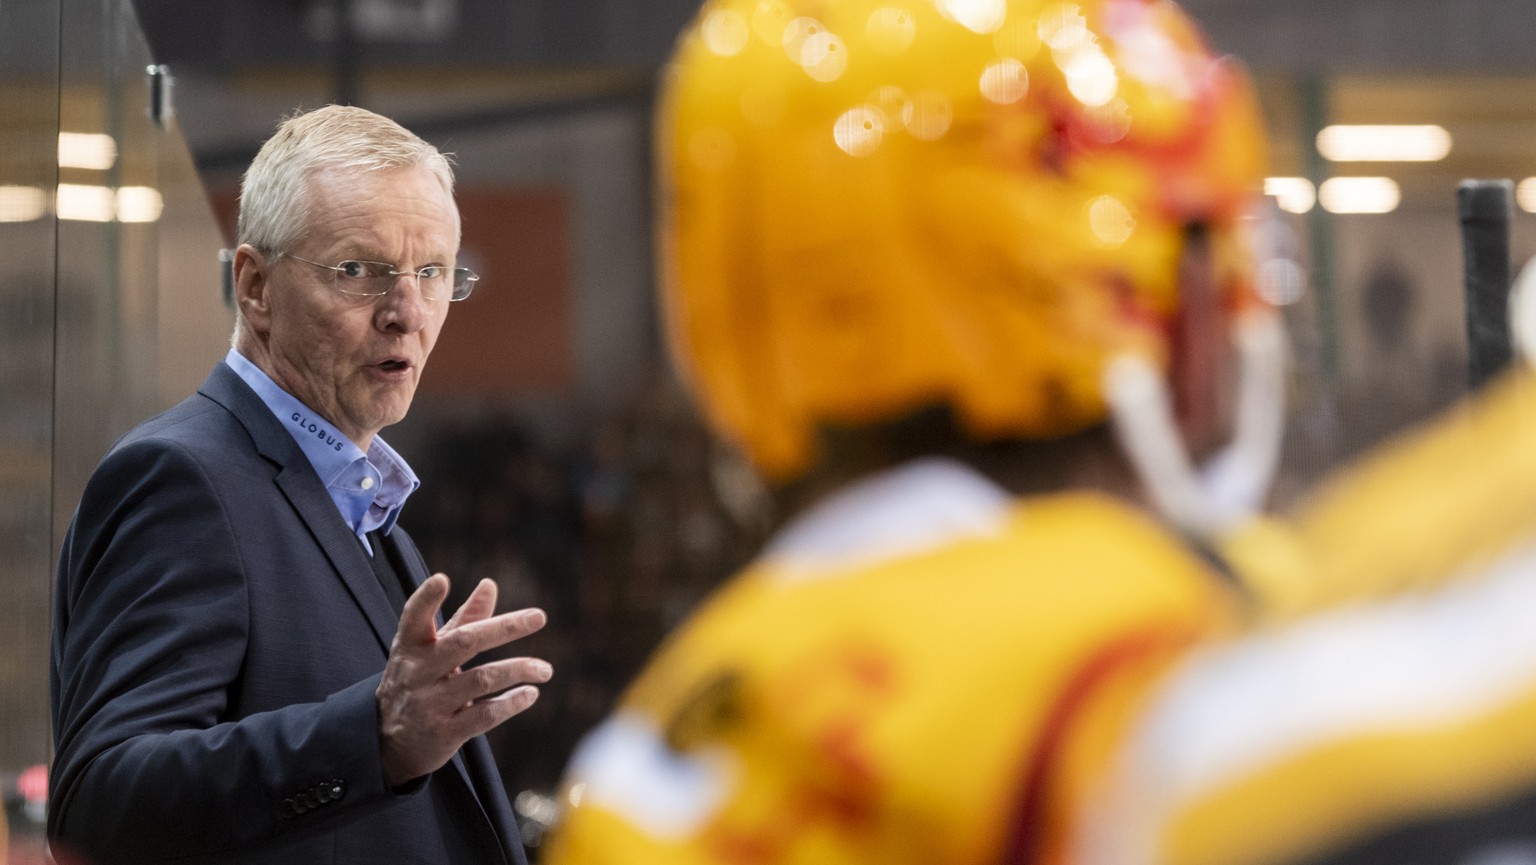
<point>1085,461</point>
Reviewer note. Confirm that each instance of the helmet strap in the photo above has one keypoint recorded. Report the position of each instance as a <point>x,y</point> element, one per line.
<point>1209,500</point>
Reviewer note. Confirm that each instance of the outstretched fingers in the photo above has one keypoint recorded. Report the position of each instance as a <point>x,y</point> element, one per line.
<point>482,716</point>
<point>491,681</point>
<point>480,604</point>
<point>457,646</point>
<point>428,704</point>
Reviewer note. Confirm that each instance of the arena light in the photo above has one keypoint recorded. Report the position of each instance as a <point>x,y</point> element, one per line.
<point>1293,194</point>
<point>89,150</point>
<point>1359,195</point>
<point>1525,194</point>
<point>1343,143</point>
<point>139,204</point>
<point>84,203</point>
<point>22,203</point>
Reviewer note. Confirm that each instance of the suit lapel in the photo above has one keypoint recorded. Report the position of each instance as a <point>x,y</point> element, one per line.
<point>475,761</point>
<point>298,483</point>
<point>301,487</point>
<point>319,513</point>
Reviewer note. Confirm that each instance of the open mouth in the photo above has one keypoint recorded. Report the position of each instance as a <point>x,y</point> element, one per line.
<point>393,365</point>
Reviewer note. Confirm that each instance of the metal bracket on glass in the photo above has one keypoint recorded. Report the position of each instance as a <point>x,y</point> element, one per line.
<point>161,110</point>
<point>227,276</point>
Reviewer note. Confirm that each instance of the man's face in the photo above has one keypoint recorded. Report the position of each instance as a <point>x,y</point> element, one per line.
<point>356,360</point>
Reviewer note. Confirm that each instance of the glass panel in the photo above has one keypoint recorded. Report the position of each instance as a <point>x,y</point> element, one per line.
<point>28,145</point>
<point>111,297</point>
<point>193,325</point>
<point>141,319</point>
<point>29,130</point>
<point>107,311</point>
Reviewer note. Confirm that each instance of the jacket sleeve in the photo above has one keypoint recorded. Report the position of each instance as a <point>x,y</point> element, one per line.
<point>152,622</point>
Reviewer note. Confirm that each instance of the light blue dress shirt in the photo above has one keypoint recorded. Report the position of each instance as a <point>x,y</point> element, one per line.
<point>369,489</point>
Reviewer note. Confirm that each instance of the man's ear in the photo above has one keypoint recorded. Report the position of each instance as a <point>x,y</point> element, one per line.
<point>252,287</point>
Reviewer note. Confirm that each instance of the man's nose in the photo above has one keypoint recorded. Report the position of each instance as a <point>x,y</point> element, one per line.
<point>404,307</point>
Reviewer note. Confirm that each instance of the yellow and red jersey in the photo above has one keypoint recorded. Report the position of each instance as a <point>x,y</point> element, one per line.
<point>1384,708</point>
<point>921,669</point>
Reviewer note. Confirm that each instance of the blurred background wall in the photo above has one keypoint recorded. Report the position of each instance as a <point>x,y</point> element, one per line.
<point>558,453</point>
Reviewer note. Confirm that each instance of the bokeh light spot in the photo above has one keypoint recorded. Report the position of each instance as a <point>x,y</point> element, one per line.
<point>978,16</point>
<point>1281,281</point>
<point>1091,76</point>
<point>1109,122</point>
<point>1110,220</point>
<point>1004,81</point>
<point>928,116</point>
<point>890,30</point>
<point>1062,26</point>
<point>795,35</point>
<point>823,56</point>
<point>725,32</point>
<point>894,105</point>
<point>858,131</point>
<point>768,21</point>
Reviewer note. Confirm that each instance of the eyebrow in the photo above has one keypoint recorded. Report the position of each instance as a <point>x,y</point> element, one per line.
<point>384,259</point>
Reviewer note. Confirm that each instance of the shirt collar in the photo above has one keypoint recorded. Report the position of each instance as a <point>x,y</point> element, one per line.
<point>369,489</point>
<point>900,511</point>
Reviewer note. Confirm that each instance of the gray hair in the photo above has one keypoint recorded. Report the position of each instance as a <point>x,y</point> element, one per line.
<point>274,194</point>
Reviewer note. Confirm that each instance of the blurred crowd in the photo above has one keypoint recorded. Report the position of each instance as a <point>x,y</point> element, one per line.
<point>617,535</point>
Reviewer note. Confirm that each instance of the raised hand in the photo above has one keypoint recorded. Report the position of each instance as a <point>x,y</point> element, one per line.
<point>429,706</point>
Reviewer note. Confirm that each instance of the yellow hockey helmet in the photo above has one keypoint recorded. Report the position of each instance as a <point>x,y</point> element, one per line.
<point>872,206</point>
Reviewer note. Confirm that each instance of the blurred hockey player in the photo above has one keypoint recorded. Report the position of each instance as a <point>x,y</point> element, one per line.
<point>969,281</point>
<point>1381,710</point>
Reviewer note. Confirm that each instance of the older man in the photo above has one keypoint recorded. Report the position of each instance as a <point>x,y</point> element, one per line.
<point>247,664</point>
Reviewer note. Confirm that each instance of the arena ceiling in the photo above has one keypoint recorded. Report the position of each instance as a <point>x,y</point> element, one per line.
<point>1463,64</point>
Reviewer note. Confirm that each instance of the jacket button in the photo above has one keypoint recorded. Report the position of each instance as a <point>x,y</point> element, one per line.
<point>311,801</point>
<point>338,789</point>
<point>288,809</point>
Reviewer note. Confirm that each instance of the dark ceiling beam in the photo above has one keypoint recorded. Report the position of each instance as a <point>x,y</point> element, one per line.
<point>636,92</point>
<point>1373,36</point>
<point>229,35</point>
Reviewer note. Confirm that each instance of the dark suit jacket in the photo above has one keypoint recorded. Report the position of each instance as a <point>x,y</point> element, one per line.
<point>218,636</point>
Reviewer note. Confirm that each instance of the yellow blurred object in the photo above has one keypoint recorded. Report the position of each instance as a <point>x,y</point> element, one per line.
<point>1381,708</point>
<point>871,206</point>
<point>1425,509</point>
<point>921,670</point>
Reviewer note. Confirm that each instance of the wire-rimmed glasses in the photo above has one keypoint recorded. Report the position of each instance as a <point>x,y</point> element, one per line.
<point>376,278</point>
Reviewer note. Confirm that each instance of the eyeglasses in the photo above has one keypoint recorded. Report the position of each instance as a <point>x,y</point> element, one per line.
<point>376,278</point>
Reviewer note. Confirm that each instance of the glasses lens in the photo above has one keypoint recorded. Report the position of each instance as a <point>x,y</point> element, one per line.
<point>367,278</point>
<point>431,281</point>
<point>376,278</point>
<point>464,281</point>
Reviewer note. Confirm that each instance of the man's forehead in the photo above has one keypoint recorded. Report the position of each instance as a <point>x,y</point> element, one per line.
<point>334,178</point>
<point>381,208</point>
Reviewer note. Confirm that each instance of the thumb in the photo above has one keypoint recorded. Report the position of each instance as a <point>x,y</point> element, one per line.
<point>418,618</point>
